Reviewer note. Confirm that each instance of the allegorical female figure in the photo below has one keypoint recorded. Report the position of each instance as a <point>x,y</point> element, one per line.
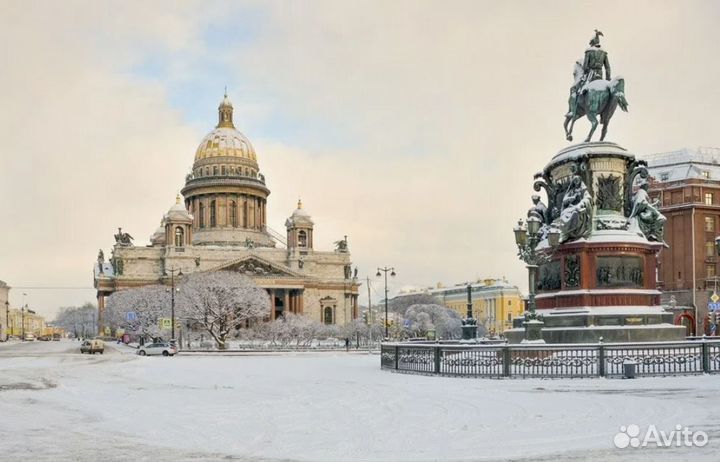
<point>575,219</point>
<point>645,219</point>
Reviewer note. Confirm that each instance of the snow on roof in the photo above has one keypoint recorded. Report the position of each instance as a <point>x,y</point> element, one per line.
<point>683,164</point>
<point>108,270</point>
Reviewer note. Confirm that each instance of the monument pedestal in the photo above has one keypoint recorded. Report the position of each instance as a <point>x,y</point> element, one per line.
<point>601,280</point>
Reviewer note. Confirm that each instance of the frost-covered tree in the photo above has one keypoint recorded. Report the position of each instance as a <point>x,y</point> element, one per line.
<point>148,303</point>
<point>220,303</point>
<point>422,318</point>
<point>80,320</point>
<point>400,304</point>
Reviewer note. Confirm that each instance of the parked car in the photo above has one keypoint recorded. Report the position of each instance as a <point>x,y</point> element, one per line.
<point>44,338</point>
<point>92,346</point>
<point>29,337</point>
<point>164,349</point>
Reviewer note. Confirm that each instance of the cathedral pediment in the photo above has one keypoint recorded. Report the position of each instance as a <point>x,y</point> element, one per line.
<point>253,266</point>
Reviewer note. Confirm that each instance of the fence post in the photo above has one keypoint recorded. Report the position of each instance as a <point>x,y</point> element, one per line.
<point>601,358</point>
<point>397,356</point>
<point>437,358</point>
<point>705,356</point>
<point>506,360</point>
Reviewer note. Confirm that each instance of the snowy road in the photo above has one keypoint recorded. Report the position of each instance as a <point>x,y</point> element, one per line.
<point>56,404</point>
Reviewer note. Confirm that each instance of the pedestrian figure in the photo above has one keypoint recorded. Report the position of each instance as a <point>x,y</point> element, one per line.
<point>347,344</point>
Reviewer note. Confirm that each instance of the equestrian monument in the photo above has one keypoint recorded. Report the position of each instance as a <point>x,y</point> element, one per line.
<point>591,247</point>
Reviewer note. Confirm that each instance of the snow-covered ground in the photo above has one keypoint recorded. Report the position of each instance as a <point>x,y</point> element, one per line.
<point>56,404</point>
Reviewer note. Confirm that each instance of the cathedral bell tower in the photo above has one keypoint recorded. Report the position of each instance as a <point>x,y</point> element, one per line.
<point>178,225</point>
<point>300,229</point>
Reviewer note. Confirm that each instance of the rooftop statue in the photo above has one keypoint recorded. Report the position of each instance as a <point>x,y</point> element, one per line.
<point>123,239</point>
<point>592,95</point>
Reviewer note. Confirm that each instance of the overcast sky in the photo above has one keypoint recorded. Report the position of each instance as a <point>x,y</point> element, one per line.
<point>413,127</point>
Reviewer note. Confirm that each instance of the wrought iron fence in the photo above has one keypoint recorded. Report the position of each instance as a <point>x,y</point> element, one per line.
<point>552,360</point>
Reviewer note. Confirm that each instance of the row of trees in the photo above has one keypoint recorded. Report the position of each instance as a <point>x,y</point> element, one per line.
<point>223,305</point>
<point>298,331</point>
<point>80,320</point>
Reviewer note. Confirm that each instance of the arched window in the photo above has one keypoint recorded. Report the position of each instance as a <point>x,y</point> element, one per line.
<point>202,215</point>
<point>223,170</point>
<point>179,237</point>
<point>302,239</point>
<point>213,218</point>
<point>215,170</point>
<point>207,171</point>
<point>328,318</point>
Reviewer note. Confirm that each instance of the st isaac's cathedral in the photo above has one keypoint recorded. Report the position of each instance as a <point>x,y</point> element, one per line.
<point>221,226</point>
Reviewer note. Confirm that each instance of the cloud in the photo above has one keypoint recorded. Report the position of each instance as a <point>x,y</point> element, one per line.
<point>412,127</point>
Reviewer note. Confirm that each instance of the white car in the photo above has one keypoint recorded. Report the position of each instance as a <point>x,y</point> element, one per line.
<point>29,337</point>
<point>164,349</point>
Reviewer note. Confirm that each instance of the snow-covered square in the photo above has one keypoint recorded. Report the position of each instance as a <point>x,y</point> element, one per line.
<point>59,405</point>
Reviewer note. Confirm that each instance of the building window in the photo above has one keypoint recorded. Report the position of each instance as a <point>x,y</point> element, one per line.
<point>223,170</point>
<point>179,237</point>
<point>328,318</point>
<point>708,198</point>
<point>710,270</point>
<point>215,170</point>
<point>664,176</point>
<point>213,217</point>
<point>233,214</point>
<point>302,239</point>
<point>202,215</point>
<point>706,174</point>
<point>710,249</point>
<point>710,224</point>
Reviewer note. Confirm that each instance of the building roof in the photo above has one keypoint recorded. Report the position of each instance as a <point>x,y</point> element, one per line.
<point>683,164</point>
<point>486,285</point>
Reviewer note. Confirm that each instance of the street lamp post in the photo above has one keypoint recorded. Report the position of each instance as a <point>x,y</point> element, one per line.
<point>7,320</point>
<point>22,321</point>
<point>392,273</point>
<point>527,238</point>
<point>172,298</point>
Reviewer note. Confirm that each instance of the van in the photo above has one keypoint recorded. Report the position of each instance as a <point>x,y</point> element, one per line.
<point>92,346</point>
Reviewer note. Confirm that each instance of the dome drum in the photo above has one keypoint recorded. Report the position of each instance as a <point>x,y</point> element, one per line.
<point>225,191</point>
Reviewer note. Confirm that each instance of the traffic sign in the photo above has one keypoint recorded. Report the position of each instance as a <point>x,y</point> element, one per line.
<point>714,306</point>
<point>131,316</point>
<point>714,297</point>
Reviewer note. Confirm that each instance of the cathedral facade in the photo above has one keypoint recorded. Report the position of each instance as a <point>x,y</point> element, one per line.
<point>221,226</point>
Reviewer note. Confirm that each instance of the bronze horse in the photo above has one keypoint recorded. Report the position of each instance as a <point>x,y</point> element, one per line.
<point>599,97</point>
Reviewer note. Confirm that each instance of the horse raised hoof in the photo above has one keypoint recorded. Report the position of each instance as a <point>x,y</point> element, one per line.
<point>569,137</point>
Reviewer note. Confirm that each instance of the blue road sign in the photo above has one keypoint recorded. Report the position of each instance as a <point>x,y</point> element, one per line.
<point>131,316</point>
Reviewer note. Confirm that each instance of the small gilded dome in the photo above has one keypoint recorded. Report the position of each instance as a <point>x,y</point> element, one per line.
<point>177,212</point>
<point>300,216</point>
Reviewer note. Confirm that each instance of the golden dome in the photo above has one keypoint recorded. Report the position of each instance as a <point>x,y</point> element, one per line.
<point>225,140</point>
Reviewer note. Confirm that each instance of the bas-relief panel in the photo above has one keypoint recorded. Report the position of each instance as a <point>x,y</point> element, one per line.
<point>617,271</point>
